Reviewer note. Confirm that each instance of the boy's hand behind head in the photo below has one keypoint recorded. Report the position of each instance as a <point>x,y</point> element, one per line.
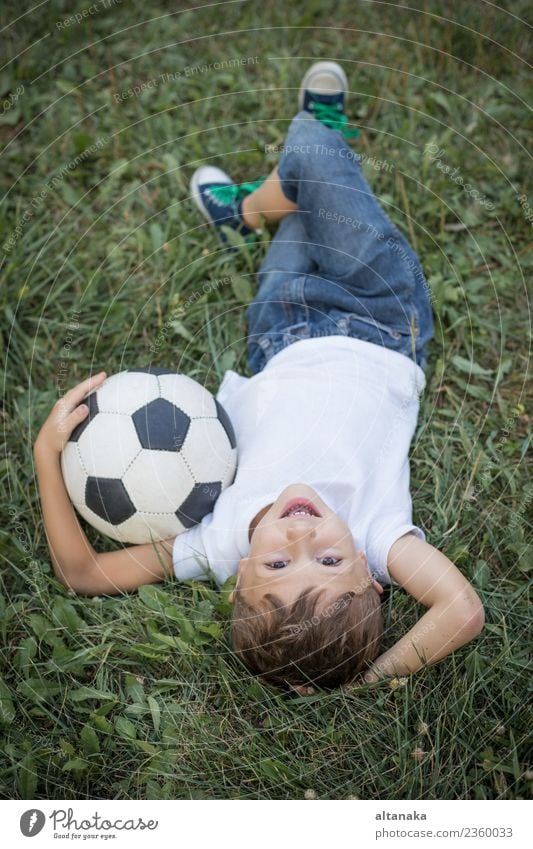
<point>65,415</point>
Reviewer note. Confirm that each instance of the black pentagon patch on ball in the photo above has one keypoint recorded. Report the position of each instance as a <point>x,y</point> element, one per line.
<point>224,420</point>
<point>92,403</point>
<point>107,497</point>
<point>198,503</point>
<point>152,370</point>
<point>161,425</point>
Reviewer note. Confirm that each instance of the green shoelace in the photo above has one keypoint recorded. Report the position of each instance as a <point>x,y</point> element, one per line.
<point>331,117</point>
<point>235,191</point>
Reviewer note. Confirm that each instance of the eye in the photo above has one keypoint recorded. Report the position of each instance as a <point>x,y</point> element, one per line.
<point>327,560</point>
<point>277,564</point>
<point>334,561</point>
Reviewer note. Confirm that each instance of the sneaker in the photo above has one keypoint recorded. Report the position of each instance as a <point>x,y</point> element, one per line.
<point>323,94</point>
<point>219,199</point>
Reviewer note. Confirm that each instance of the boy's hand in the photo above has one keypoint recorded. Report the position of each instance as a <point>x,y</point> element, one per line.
<point>455,613</point>
<point>75,562</point>
<point>66,414</point>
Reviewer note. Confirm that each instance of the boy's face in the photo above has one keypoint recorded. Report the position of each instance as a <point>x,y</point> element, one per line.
<point>293,551</point>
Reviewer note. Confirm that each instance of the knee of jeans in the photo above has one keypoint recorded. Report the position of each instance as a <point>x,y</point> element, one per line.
<point>300,122</point>
<point>306,130</point>
<point>311,148</point>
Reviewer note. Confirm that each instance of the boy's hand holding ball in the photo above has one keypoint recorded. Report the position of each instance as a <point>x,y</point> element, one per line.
<point>66,414</point>
<point>144,453</point>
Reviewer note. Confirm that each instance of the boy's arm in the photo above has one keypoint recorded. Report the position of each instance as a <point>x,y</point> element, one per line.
<point>455,613</point>
<point>75,562</point>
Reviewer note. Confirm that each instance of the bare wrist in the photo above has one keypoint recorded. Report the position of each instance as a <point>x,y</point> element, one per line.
<point>43,451</point>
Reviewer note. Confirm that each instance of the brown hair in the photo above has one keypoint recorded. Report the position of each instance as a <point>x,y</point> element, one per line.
<point>292,645</point>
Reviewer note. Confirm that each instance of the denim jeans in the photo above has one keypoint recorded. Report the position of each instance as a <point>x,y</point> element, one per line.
<point>338,265</point>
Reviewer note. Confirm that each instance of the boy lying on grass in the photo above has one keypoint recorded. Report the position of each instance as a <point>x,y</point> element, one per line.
<point>319,515</point>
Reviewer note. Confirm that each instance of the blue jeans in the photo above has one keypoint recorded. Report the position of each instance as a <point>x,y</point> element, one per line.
<point>337,266</point>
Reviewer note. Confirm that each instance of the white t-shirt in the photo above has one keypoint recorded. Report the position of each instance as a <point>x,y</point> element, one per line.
<point>332,412</point>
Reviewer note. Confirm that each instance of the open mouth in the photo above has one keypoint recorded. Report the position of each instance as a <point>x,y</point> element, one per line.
<point>299,507</point>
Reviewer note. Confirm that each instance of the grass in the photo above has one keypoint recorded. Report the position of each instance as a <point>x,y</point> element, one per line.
<point>140,697</point>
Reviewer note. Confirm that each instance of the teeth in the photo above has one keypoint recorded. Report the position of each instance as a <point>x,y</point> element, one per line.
<point>300,511</point>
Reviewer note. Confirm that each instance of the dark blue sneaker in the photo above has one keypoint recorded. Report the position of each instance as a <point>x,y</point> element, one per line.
<point>323,94</point>
<point>219,199</point>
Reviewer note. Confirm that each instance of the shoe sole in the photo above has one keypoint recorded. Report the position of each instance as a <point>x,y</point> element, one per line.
<point>324,67</point>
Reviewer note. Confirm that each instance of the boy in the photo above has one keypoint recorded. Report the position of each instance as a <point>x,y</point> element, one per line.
<point>319,514</point>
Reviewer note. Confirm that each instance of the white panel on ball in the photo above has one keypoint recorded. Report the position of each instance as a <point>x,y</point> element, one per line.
<point>73,472</point>
<point>145,527</point>
<point>206,449</point>
<point>187,394</point>
<point>154,478</point>
<point>116,431</point>
<point>127,392</point>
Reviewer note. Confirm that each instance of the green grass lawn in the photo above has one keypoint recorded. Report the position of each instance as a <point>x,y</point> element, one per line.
<point>141,697</point>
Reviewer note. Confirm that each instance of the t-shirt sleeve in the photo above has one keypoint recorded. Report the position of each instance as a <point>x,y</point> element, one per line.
<point>382,534</point>
<point>189,558</point>
<point>206,550</point>
<point>391,519</point>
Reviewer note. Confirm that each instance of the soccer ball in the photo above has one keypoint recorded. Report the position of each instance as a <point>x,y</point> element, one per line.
<point>151,457</point>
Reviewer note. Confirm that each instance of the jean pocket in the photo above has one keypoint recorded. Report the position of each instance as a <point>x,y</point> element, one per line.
<point>355,320</point>
<point>301,330</point>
